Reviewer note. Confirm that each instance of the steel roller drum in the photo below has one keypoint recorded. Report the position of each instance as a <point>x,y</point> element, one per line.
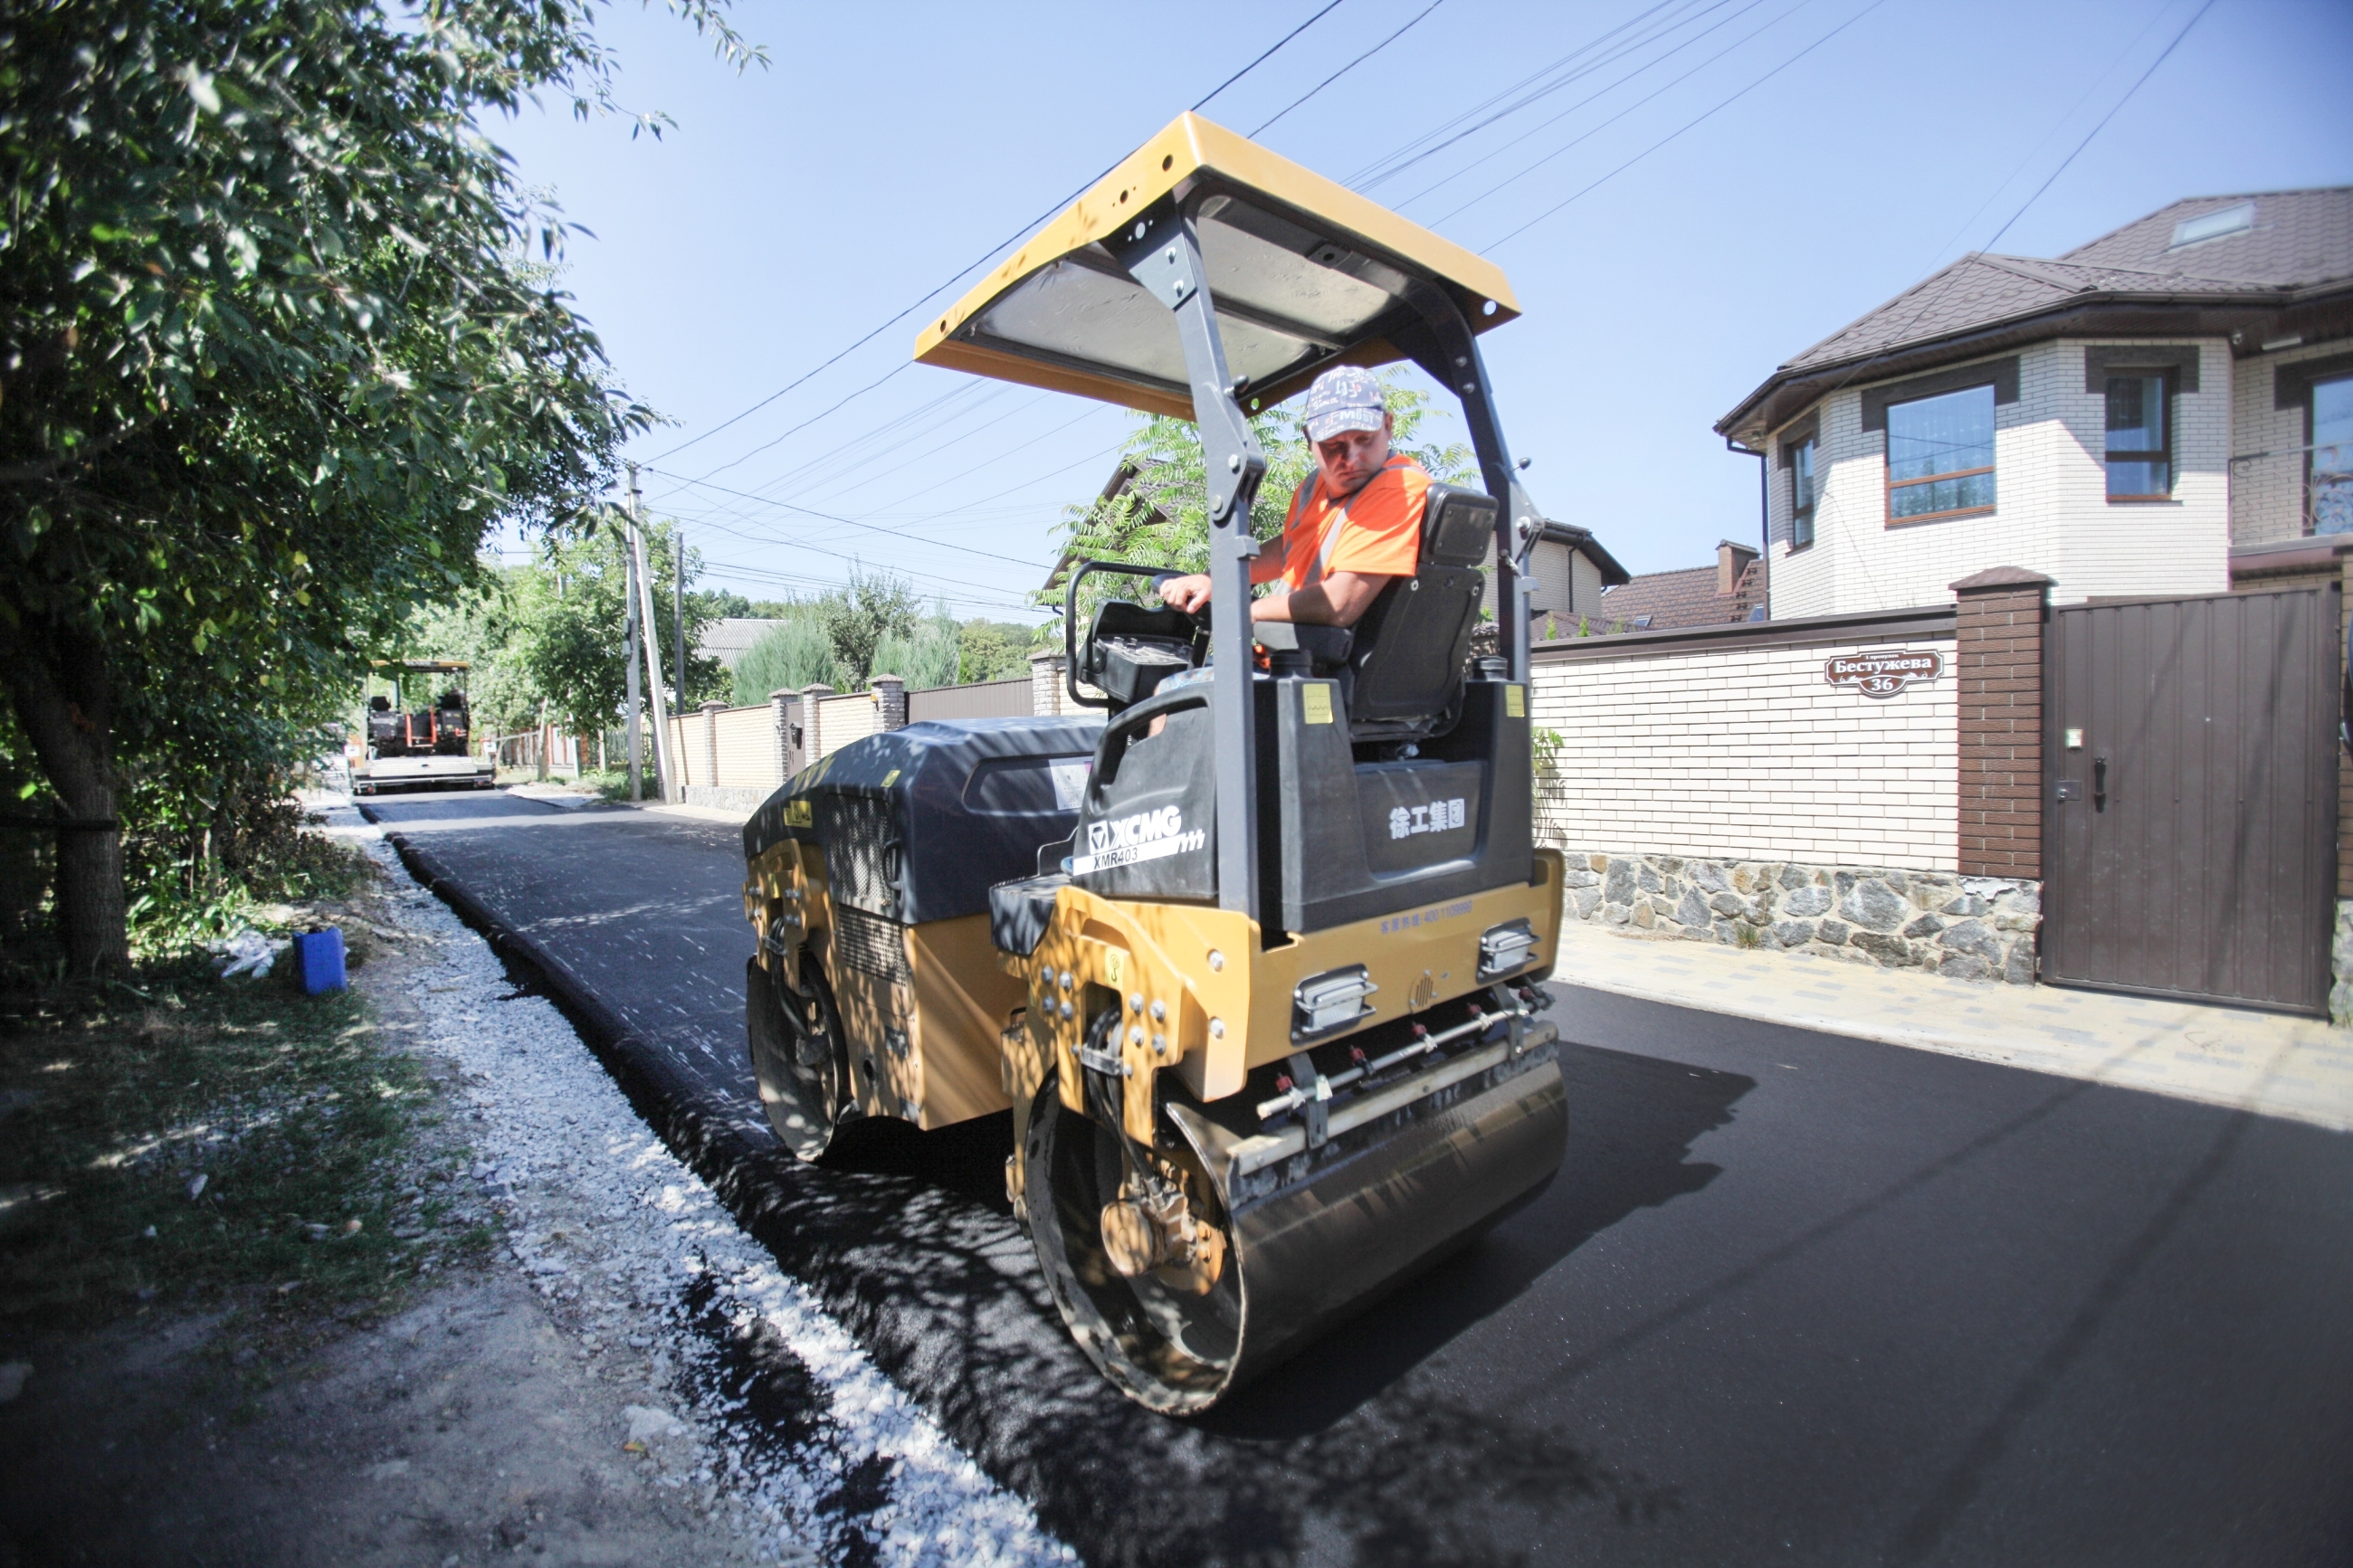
<point>1316,1234</point>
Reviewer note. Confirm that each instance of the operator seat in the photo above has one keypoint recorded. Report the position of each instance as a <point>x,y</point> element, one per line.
<point>1410,645</point>
<point>1401,665</point>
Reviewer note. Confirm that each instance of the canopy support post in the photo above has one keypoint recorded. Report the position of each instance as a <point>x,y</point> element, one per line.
<point>1164,255</point>
<point>1448,350</point>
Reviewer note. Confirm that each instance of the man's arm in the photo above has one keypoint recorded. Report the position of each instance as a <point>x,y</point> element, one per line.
<point>1341,599</point>
<point>1191,592</point>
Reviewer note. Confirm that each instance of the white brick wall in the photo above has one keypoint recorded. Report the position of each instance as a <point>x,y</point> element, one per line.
<point>2268,475</point>
<point>1747,753</point>
<point>852,716</point>
<point>2052,512</point>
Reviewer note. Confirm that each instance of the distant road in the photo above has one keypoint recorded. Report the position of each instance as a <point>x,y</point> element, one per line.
<point>1793,1298</point>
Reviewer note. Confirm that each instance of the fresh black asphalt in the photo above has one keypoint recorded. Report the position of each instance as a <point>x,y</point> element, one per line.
<point>1793,1298</point>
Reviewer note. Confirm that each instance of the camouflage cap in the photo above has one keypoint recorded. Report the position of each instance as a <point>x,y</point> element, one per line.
<point>1344,399</point>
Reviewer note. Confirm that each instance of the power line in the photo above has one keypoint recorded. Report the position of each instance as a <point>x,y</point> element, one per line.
<point>969,266</point>
<point>1593,97</point>
<point>2102,125</point>
<point>1351,65</point>
<point>1900,341</point>
<point>853,559</point>
<point>1652,35</point>
<point>1382,168</point>
<point>1687,125</point>
<point>854,522</point>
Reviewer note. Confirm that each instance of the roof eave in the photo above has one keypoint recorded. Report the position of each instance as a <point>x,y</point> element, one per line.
<point>1743,426</point>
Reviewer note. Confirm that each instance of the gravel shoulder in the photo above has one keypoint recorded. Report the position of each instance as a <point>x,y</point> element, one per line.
<point>625,1379</point>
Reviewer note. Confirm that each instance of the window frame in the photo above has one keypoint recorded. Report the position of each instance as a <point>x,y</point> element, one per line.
<point>1801,454</point>
<point>1890,484</point>
<point>2169,380</point>
<point>2310,506</point>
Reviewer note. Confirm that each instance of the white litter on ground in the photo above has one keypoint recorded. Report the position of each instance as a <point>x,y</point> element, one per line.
<point>761,1402</point>
<point>248,952</point>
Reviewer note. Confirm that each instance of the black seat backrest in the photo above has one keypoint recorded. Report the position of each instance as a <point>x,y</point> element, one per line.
<point>1412,645</point>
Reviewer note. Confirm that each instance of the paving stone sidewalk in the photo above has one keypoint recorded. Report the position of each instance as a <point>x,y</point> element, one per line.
<point>2267,1062</point>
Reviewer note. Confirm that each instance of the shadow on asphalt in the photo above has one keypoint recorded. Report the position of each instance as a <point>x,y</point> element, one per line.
<point>967,1159</point>
<point>1632,1119</point>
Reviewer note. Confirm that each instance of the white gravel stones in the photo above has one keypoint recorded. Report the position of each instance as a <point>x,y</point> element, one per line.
<point>782,1423</point>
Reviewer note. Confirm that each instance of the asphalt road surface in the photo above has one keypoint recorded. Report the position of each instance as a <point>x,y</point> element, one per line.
<point>1792,1299</point>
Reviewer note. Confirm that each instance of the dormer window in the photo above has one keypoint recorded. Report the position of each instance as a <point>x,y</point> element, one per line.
<point>2214,225</point>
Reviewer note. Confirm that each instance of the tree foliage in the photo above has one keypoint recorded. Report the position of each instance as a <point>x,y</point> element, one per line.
<point>274,357</point>
<point>552,629</point>
<point>924,651</point>
<point>1161,517</point>
<point>873,608</point>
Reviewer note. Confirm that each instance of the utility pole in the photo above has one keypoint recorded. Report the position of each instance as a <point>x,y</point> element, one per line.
<point>630,638</point>
<point>542,739</point>
<point>665,775</point>
<point>678,616</point>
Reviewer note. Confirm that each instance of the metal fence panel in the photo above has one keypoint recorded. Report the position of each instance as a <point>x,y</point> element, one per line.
<point>978,699</point>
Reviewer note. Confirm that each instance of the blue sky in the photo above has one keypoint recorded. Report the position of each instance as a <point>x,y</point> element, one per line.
<point>1842,150</point>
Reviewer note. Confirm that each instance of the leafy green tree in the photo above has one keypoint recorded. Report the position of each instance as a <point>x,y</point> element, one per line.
<point>1161,518</point>
<point>788,656</point>
<point>994,650</point>
<point>553,629</point>
<point>926,657</point>
<point>859,617</point>
<point>274,363</point>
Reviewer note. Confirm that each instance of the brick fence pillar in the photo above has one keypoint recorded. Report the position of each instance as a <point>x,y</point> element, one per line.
<point>1046,696</point>
<point>711,712</point>
<point>811,705</point>
<point>1998,662</point>
<point>890,701</point>
<point>781,704</point>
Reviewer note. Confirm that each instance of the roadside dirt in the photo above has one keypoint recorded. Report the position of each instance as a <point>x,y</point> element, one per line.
<point>471,1425</point>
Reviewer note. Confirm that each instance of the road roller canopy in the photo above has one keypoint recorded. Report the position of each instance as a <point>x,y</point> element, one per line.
<point>1303,273</point>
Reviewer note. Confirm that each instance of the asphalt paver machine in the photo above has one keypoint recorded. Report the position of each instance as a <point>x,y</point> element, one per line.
<point>418,733</point>
<point>1252,960</point>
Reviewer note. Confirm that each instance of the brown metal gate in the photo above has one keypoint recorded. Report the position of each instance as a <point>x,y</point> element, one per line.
<point>2189,817</point>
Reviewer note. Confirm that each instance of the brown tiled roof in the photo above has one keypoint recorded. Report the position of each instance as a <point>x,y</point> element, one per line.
<point>2299,239</point>
<point>1684,598</point>
<point>1981,290</point>
<point>2298,249</point>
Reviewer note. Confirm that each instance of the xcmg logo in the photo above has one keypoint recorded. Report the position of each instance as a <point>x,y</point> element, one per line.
<point>1146,836</point>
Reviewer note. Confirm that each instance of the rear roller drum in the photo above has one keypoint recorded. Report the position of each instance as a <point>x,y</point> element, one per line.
<point>798,1057</point>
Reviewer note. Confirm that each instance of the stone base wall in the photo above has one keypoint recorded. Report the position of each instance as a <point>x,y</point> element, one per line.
<point>726,797</point>
<point>1972,928</point>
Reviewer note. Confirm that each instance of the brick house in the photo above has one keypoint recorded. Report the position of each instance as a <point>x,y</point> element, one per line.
<point>2098,512</point>
<point>2167,409</point>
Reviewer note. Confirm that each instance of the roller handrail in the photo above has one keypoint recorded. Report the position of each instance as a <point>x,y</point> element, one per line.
<point>1071,617</point>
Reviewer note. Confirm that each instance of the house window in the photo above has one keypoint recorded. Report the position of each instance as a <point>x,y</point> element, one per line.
<point>2331,424</point>
<point>1802,494</point>
<point>1940,456</point>
<point>2140,438</point>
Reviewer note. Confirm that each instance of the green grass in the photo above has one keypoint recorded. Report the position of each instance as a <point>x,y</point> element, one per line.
<point>118,1097</point>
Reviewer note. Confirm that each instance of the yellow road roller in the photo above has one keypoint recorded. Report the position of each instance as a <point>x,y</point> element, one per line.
<point>1253,957</point>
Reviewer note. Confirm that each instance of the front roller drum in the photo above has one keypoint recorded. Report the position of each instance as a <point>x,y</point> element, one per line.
<point>1306,1242</point>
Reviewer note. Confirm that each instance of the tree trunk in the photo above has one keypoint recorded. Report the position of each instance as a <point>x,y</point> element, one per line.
<point>62,699</point>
